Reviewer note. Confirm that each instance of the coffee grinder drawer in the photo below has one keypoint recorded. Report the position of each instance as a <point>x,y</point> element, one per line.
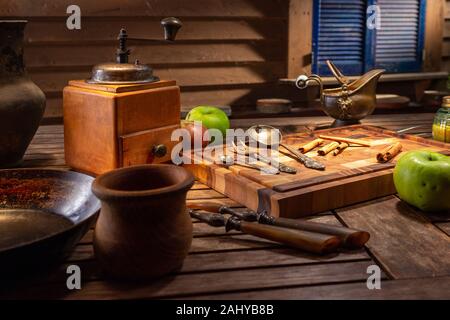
<point>149,146</point>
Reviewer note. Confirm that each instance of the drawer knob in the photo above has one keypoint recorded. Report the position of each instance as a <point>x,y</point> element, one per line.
<point>159,150</point>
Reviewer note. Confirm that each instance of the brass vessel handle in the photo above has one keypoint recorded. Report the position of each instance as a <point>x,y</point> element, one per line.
<point>303,81</point>
<point>337,73</point>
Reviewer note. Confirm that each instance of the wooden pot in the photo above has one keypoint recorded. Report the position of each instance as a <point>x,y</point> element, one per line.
<point>144,230</point>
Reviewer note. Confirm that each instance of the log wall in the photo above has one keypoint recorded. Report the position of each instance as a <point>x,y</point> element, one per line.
<point>229,52</point>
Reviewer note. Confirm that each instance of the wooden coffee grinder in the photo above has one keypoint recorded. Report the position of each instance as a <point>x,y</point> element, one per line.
<point>123,115</point>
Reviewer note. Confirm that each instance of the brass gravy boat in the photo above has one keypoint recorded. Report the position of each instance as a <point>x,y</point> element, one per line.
<point>352,101</point>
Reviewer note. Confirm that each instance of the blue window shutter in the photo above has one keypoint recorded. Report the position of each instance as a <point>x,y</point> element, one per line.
<point>339,35</point>
<point>397,46</point>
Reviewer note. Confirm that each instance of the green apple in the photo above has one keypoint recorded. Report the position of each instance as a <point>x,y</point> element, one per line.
<point>422,179</point>
<point>211,118</point>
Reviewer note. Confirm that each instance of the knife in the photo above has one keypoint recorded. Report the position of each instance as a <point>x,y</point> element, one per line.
<point>351,238</point>
<point>299,239</point>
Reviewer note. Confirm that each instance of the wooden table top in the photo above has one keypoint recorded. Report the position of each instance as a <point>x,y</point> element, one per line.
<point>412,249</point>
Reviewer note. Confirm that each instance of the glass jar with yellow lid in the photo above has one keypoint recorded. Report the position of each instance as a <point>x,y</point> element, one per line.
<point>441,124</point>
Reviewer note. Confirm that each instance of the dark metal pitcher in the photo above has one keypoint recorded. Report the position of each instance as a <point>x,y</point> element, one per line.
<point>352,101</point>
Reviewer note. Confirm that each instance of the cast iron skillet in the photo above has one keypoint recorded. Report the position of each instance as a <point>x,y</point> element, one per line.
<point>43,214</point>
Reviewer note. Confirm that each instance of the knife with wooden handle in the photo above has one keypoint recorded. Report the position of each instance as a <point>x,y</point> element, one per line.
<point>299,239</point>
<point>304,240</point>
<point>350,238</point>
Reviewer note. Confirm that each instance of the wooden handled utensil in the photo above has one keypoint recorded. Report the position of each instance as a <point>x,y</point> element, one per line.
<point>299,239</point>
<point>350,238</point>
<point>304,240</point>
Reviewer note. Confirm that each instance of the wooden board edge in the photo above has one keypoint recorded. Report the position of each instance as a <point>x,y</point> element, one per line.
<point>332,195</point>
<point>334,176</point>
<point>256,197</point>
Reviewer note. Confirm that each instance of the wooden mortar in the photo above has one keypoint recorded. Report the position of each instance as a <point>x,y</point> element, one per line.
<point>144,230</point>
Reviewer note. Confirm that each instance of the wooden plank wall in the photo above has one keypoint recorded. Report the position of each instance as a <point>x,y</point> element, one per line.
<point>230,52</point>
<point>446,42</point>
<point>299,37</point>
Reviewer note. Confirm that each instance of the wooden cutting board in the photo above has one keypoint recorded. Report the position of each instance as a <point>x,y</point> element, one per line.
<point>351,177</point>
